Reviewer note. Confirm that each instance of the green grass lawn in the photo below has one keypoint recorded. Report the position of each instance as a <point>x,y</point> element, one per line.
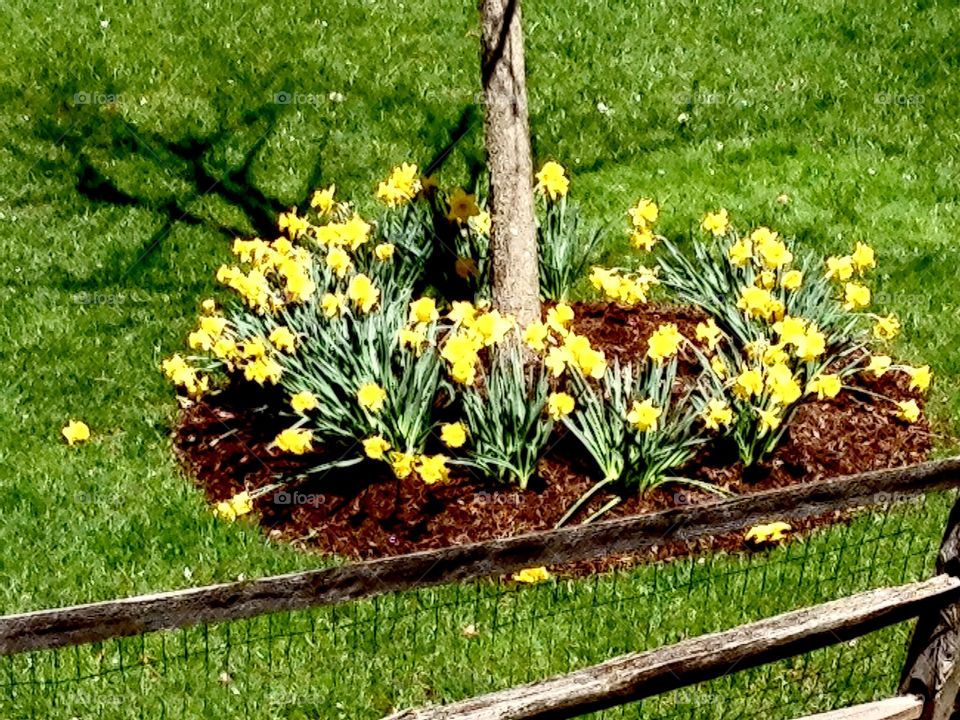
<point>112,221</point>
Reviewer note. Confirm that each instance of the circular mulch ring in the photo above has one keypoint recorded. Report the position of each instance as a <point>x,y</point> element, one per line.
<point>362,512</point>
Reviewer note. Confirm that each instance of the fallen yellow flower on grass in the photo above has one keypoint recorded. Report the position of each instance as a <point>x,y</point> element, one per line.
<point>76,431</point>
<point>644,213</point>
<point>531,575</point>
<point>768,534</point>
<point>886,328</point>
<point>237,506</point>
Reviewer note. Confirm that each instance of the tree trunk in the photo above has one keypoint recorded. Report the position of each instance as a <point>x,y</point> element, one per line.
<point>516,279</point>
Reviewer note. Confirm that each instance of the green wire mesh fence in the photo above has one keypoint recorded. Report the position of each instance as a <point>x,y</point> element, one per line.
<point>365,659</point>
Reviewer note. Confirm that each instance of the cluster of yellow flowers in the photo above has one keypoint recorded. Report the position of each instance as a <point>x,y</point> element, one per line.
<point>401,186</point>
<point>856,295</point>
<point>430,468</point>
<point>626,288</point>
<point>474,327</point>
<point>279,272</point>
<point>182,374</point>
<point>643,216</point>
<point>237,506</point>
<point>560,347</point>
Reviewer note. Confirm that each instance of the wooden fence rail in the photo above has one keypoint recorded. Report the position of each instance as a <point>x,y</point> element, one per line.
<point>61,627</point>
<point>929,684</point>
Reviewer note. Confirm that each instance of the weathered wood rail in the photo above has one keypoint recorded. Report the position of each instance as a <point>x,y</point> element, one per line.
<point>47,629</point>
<point>930,682</point>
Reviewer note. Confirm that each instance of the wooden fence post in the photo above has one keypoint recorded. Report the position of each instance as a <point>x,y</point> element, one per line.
<point>932,670</point>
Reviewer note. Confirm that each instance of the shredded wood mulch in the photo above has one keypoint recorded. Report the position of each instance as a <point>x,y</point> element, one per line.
<point>362,512</point>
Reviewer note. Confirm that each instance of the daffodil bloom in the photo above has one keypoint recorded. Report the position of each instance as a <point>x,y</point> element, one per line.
<point>709,333</point>
<point>76,431</point>
<point>199,340</point>
<point>424,310</point>
<point>362,291</point>
<point>294,440</point>
<point>840,268</point>
<point>462,313</point>
<point>453,435</point>
<point>560,404</point>
<point>748,383</point>
<point>644,416</point>
<point>812,344</point>
<point>535,336</point>
<point>402,464</point>
<point>401,187</point>
<point>303,401</point>
<point>757,302</point>
<point>208,306</point>
<point>886,328</point>
<point>332,305</point>
<point>339,261</point>
<point>855,296</point>
<point>781,385</point>
<point>664,342</point>
<point>375,447</point>
<point>384,251</point>
<point>283,339</point>
<point>371,397</point>
<point>294,225</point>
<point>741,252</point>
<point>825,386</point>
<point>863,257</point>
<point>322,200</point>
<point>772,251</point>
<point>299,286</point>
<point>492,327</point>
<point>719,367</point>
<point>767,280</point>
<point>225,348</point>
<point>774,355</point>
<point>717,414</point>
<point>464,372</point>
<point>920,377</point>
<point>481,223</point>
<point>413,338</point>
<point>463,206</point>
<point>792,280</point>
<point>531,576</point>
<point>552,181</point>
<point>879,364</point>
<point>644,213</point>
<point>767,534</point>
<point>262,371</point>
<point>908,410</point>
<point>559,318</point>
<point>557,360</point>
<point>769,421</point>
<point>253,348</point>
<point>717,223</point>
<point>433,469</point>
<point>213,325</point>
<point>643,239</point>
<point>461,346</point>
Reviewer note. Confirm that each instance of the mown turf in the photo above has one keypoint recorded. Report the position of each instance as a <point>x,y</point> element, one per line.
<point>109,233</point>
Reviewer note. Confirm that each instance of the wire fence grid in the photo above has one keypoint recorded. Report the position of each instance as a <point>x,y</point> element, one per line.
<point>365,659</point>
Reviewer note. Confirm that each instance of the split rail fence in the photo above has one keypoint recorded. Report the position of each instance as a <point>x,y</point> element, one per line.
<point>820,624</point>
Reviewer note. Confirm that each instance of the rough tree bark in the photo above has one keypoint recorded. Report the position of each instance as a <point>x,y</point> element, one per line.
<point>516,284</point>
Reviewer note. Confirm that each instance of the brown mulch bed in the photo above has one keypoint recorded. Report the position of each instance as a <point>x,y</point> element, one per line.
<point>362,512</point>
